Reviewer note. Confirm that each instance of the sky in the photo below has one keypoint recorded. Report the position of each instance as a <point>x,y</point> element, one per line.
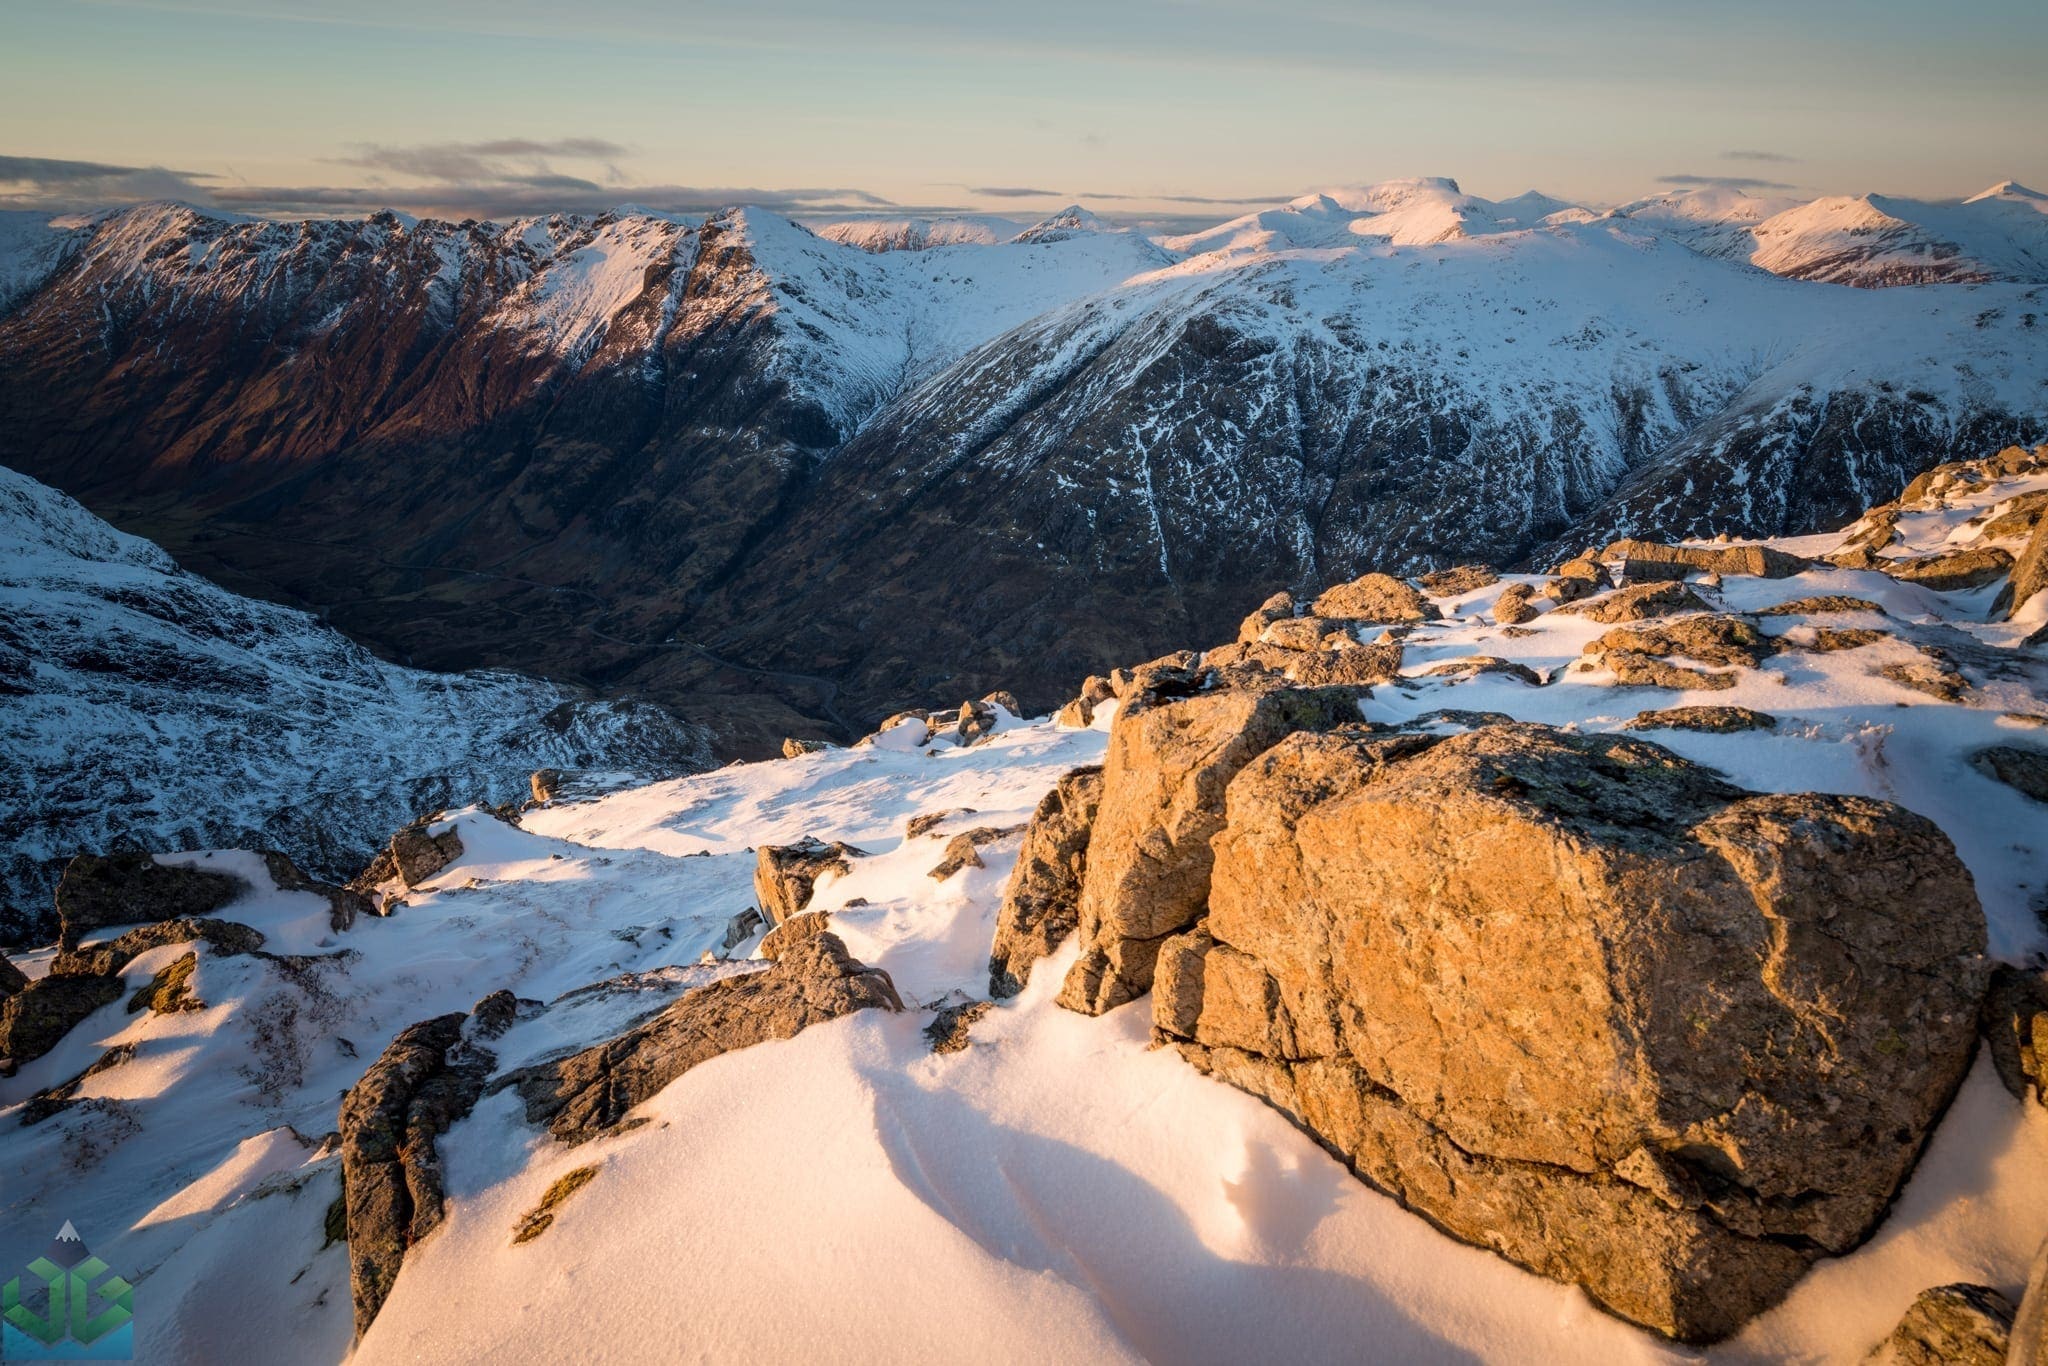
<point>1164,111</point>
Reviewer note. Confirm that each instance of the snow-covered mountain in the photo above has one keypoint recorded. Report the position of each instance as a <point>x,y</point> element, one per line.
<point>1060,1185</point>
<point>143,707</point>
<point>713,461</point>
<point>1873,240</point>
<point>882,232</point>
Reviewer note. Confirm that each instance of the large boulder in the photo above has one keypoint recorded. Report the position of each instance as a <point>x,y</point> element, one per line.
<point>12,978</point>
<point>427,1078</point>
<point>1638,602</point>
<point>417,854</point>
<point>1162,798</point>
<point>1278,607</point>
<point>1375,598</point>
<point>98,890</point>
<point>1582,1002</point>
<point>785,874</point>
<point>588,1093</point>
<point>1041,902</point>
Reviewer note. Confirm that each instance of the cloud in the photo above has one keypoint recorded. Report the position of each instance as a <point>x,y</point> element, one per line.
<point>1758,156</point>
<point>1011,192</point>
<point>531,196</point>
<point>495,159</point>
<point>1725,182</point>
<point>55,184</point>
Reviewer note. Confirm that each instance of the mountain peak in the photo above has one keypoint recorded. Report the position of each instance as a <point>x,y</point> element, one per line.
<point>1067,222</point>
<point>2007,189</point>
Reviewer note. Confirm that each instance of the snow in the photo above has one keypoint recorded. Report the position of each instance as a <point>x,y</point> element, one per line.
<point>142,702</point>
<point>1058,1190</point>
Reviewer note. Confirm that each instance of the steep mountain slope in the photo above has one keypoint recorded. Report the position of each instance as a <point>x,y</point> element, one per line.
<point>141,706</point>
<point>1265,414</point>
<point>1060,1185</point>
<point>535,444</point>
<point>739,467</point>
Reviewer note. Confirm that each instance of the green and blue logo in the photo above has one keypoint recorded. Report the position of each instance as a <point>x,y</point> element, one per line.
<point>61,1310</point>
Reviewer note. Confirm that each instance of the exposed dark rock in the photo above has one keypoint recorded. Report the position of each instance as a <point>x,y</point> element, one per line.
<point>2015,1025</point>
<point>494,1014</point>
<point>1171,675</point>
<point>2017,766</point>
<point>1648,1033</point>
<point>33,1019</point>
<point>924,822</point>
<point>170,990</point>
<point>129,889</point>
<point>1818,606</point>
<point>1459,580</point>
<point>1950,1325</point>
<point>1484,664</point>
<point>391,1171</point>
<point>541,1217</point>
<point>417,855</point>
<point>226,937</point>
<point>344,904</point>
<point>588,1093</point>
<point>57,1099</point>
<point>1041,903</point>
<point>948,1029</point>
<point>1711,719</point>
<point>12,978</point>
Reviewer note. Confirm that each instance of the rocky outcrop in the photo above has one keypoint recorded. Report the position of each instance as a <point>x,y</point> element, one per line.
<point>1513,606</point>
<point>794,931</point>
<point>417,855</point>
<point>1638,602</point>
<point>948,1031</point>
<point>12,979</point>
<point>33,1019</point>
<point>1162,798</point>
<point>391,1172</point>
<point>924,822</point>
<point>1759,561</point>
<point>344,904</point>
<point>226,938</point>
<point>1041,903</point>
<point>128,889</point>
<point>1582,1002</point>
<point>794,748</point>
<point>588,1093</point>
<point>1375,598</point>
<point>963,850</point>
<point>1950,1325</point>
<point>784,874</point>
<point>1278,607</point>
<point>1459,580</point>
<point>2029,572</point>
<point>1709,719</point>
<point>1952,571</point>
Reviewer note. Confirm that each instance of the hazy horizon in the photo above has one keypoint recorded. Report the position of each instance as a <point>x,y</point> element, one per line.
<point>1170,111</point>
